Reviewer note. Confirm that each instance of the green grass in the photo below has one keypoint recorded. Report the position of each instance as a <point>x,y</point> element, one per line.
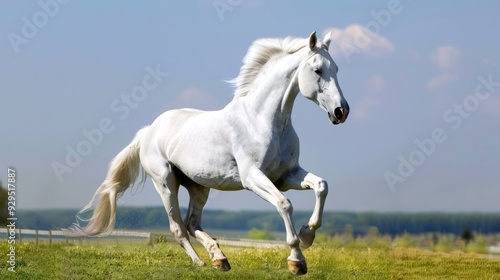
<point>135,260</point>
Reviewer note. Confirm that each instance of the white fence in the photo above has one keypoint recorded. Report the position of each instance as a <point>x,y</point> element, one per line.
<point>51,235</point>
<point>494,249</point>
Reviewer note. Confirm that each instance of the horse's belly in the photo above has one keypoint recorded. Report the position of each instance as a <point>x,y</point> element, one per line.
<point>225,178</point>
<point>220,183</point>
<point>209,168</point>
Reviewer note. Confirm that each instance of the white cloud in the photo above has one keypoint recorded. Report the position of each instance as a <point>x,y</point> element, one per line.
<point>492,105</point>
<point>448,60</point>
<point>356,39</point>
<point>364,107</point>
<point>371,87</point>
<point>413,54</point>
<point>194,97</point>
<point>441,80</point>
<point>374,84</point>
<point>446,57</point>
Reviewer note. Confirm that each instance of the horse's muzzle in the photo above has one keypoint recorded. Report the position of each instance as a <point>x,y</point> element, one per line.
<point>339,115</point>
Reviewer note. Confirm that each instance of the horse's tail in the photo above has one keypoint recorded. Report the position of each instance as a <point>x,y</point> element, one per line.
<point>122,174</point>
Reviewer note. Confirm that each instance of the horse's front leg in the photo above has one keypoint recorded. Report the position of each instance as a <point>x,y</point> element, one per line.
<point>253,179</point>
<point>299,179</point>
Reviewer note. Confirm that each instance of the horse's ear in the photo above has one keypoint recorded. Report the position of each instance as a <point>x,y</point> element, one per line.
<point>327,40</point>
<point>313,40</point>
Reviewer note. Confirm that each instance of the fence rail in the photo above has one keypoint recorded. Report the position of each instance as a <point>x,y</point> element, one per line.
<point>51,235</point>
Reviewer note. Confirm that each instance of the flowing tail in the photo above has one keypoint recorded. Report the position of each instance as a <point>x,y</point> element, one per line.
<point>122,174</point>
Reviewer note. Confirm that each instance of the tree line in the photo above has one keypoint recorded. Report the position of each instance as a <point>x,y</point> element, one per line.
<point>152,218</point>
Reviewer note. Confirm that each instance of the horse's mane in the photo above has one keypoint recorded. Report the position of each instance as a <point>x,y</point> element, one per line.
<point>259,53</point>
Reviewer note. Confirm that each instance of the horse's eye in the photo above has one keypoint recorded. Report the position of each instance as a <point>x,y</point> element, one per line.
<point>318,71</point>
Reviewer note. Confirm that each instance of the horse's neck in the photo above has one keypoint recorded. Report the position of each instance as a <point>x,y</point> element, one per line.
<point>275,93</point>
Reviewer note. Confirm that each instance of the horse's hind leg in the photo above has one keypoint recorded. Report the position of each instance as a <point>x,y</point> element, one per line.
<point>198,196</point>
<point>168,187</point>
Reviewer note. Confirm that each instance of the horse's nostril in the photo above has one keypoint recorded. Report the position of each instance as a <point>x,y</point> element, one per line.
<point>338,112</point>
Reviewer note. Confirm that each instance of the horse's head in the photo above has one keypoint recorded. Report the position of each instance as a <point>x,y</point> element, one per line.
<point>317,77</point>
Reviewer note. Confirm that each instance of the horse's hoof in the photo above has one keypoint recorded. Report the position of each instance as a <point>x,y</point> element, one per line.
<point>221,264</point>
<point>297,267</point>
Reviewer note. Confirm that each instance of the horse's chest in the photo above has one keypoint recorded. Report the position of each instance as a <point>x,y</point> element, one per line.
<point>281,156</point>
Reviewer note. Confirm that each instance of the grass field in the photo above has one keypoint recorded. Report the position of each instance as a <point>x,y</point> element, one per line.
<point>137,260</point>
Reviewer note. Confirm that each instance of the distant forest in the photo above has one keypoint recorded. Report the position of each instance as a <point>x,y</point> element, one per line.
<point>154,218</point>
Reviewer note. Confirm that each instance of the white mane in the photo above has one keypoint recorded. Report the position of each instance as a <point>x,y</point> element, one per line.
<point>259,53</point>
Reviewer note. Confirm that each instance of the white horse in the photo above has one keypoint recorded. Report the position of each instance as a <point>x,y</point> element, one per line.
<point>250,144</point>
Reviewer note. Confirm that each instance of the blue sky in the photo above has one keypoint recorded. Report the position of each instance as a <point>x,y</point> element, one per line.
<point>421,77</point>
